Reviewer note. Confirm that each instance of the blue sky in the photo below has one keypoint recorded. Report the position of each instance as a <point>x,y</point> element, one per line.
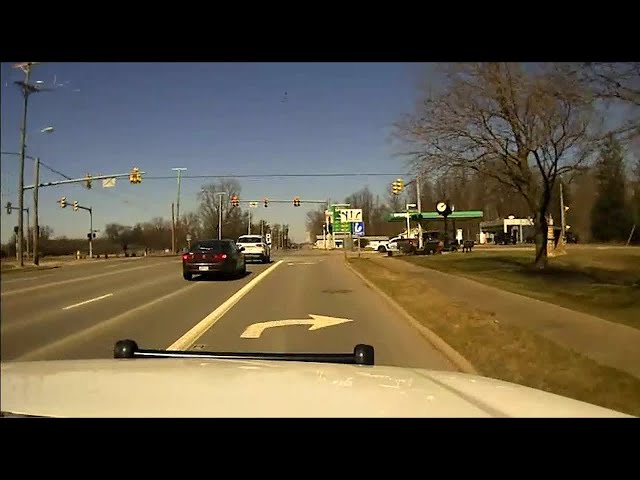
<point>212,118</point>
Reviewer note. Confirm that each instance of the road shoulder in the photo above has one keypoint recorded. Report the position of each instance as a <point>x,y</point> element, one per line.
<point>443,347</point>
<point>499,349</point>
<point>569,328</point>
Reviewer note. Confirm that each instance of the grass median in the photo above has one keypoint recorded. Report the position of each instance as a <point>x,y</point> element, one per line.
<point>503,351</point>
<point>604,282</point>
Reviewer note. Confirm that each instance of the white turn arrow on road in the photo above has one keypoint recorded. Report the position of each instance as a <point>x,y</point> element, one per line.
<point>316,321</point>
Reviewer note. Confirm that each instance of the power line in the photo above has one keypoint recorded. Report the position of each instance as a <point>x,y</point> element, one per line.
<point>51,169</point>
<point>282,175</point>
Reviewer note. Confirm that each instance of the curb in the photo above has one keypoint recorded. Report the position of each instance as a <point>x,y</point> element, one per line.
<point>443,347</point>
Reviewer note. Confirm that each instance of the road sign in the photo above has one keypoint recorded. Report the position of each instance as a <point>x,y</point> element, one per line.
<point>188,237</point>
<point>358,228</point>
<point>268,238</point>
<point>108,183</point>
<point>253,204</point>
<point>348,215</point>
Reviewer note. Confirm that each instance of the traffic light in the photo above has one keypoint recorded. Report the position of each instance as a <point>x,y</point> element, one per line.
<point>397,186</point>
<point>135,176</point>
<point>89,236</point>
<point>8,208</point>
<point>296,201</point>
<point>235,201</point>
<point>87,181</point>
<point>266,202</point>
<point>63,202</point>
<point>76,205</point>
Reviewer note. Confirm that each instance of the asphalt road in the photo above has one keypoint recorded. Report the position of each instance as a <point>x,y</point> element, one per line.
<point>301,302</point>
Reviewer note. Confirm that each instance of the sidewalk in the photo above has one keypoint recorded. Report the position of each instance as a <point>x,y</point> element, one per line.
<point>605,342</point>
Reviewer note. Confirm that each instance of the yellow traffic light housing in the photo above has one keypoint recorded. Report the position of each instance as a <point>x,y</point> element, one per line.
<point>87,181</point>
<point>296,201</point>
<point>135,176</point>
<point>397,186</point>
<point>266,202</point>
<point>76,205</point>
<point>63,202</point>
<point>235,201</point>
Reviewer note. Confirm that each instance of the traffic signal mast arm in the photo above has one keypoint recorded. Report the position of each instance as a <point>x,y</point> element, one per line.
<point>284,201</point>
<point>88,209</point>
<point>80,180</point>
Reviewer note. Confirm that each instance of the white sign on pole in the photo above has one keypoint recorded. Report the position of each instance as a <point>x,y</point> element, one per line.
<point>358,228</point>
<point>268,238</point>
<point>108,183</point>
<point>350,215</point>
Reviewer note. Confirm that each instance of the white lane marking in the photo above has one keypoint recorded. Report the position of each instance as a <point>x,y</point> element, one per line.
<point>189,339</point>
<point>12,324</point>
<point>88,301</point>
<point>98,329</point>
<point>26,278</point>
<point>316,322</point>
<point>82,279</point>
<point>301,263</point>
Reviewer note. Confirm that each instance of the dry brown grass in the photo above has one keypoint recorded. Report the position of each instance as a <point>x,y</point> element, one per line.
<point>599,281</point>
<point>506,352</point>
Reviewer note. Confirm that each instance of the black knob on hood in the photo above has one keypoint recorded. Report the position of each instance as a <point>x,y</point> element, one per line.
<point>363,354</point>
<point>125,349</point>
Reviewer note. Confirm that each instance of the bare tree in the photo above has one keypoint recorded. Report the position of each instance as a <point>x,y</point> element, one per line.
<point>315,220</point>
<point>619,84</point>
<point>192,225</point>
<point>365,200</point>
<point>209,205</point>
<point>522,126</point>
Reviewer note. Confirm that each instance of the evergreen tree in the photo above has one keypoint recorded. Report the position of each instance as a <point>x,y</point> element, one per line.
<point>610,216</point>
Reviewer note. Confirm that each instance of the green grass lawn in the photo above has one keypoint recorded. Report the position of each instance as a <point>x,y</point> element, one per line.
<point>600,281</point>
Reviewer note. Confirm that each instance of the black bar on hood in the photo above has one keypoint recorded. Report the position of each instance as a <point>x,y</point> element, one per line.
<point>362,354</point>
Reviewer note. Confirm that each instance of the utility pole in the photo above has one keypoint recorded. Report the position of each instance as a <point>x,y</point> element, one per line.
<point>27,235</point>
<point>26,68</point>
<point>220,194</point>
<point>563,224</point>
<point>249,227</point>
<point>179,170</point>
<point>173,229</point>
<point>419,203</point>
<point>36,227</point>
<point>177,220</point>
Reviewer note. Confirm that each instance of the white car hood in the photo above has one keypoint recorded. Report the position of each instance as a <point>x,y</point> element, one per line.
<point>167,387</point>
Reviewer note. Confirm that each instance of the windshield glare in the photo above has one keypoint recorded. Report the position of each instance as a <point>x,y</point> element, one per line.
<point>212,246</point>
<point>250,240</point>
